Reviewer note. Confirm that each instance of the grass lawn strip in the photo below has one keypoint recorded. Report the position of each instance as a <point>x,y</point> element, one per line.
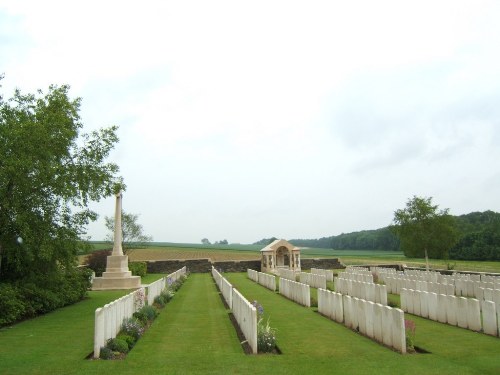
<point>54,343</point>
<point>192,334</point>
<point>303,332</point>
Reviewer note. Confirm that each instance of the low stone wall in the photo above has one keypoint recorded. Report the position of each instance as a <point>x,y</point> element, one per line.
<point>205,265</point>
<point>168,266</point>
<point>324,263</point>
<point>201,265</point>
<point>237,266</point>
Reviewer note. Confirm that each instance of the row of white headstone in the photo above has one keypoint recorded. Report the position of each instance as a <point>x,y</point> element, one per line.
<point>225,287</point>
<point>466,285</point>
<point>383,324</point>
<point>456,311</point>
<point>358,269</point>
<point>490,295</point>
<point>394,286</point>
<point>243,311</point>
<point>458,287</point>
<point>362,276</point>
<point>368,291</point>
<point>264,279</point>
<point>154,289</point>
<point>327,273</point>
<point>313,280</point>
<point>298,292</point>
<point>287,274</point>
<point>110,317</point>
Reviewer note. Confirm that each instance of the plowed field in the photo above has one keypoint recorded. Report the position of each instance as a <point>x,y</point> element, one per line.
<point>166,253</point>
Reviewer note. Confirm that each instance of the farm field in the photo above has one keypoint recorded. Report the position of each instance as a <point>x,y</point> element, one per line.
<point>168,251</point>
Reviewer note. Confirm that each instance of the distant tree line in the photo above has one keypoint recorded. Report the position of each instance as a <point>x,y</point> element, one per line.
<point>478,238</point>
<point>378,239</point>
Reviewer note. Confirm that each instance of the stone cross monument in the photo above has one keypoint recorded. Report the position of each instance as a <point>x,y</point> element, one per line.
<point>117,274</point>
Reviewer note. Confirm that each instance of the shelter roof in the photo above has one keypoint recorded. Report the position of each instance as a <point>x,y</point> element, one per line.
<point>276,244</point>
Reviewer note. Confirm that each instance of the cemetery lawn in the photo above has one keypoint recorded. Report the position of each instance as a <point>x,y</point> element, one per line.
<point>193,335</point>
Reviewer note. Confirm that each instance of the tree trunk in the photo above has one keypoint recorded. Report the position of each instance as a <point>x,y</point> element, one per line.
<point>426,260</point>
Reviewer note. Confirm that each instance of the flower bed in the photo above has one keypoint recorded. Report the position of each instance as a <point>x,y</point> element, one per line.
<point>133,328</point>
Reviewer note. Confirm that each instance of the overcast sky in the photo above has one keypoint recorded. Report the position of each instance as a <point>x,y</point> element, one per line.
<point>294,119</point>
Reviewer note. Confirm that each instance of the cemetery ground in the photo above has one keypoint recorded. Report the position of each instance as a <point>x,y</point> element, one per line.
<point>194,335</point>
<point>166,251</point>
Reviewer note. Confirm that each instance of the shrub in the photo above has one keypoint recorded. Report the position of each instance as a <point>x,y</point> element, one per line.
<point>128,339</point>
<point>146,314</point>
<point>39,300</point>
<point>160,301</point>
<point>11,304</point>
<point>141,317</point>
<point>167,294</point>
<point>410,335</point>
<point>118,345</point>
<point>97,261</point>
<point>132,327</point>
<point>314,302</point>
<point>150,312</point>
<point>266,337</point>
<point>106,353</point>
<point>138,268</point>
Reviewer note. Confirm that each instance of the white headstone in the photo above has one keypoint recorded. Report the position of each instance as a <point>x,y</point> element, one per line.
<point>424,304</point>
<point>432,306</point>
<point>377,322</point>
<point>490,326</point>
<point>387,326</point>
<point>474,314</point>
<point>398,330</point>
<point>451,310</point>
<point>442,306</point>
<point>462,312</point>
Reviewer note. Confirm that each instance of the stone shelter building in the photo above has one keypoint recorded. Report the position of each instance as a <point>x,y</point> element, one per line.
<point>280,254</point>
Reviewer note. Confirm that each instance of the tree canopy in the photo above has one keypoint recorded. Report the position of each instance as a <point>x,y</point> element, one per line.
<point>49,172</point>
<point>424,230</point>
<point>481,237</point>
<point>132,231</point>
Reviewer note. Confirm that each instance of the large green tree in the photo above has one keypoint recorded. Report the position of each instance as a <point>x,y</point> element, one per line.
<point>49,172</point>
<point>424,230</point>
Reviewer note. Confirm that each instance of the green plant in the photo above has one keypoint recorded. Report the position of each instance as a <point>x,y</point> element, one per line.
<point>160,301</point>
<point>410,335</point>
<point>118,345</point>
<point>138,268</point>
<point>128,339</point>
<point>11,305</point>
<point>141,317</point>
<point>168,294</point>
<point>314,301</point>
<point>266,336</point>
<point>106,353</point>
<point>97,261</point>
<point>150,312</point>
<point>132,327</point>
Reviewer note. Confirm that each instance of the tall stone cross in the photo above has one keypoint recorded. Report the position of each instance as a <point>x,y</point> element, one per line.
<point>117,246</point>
